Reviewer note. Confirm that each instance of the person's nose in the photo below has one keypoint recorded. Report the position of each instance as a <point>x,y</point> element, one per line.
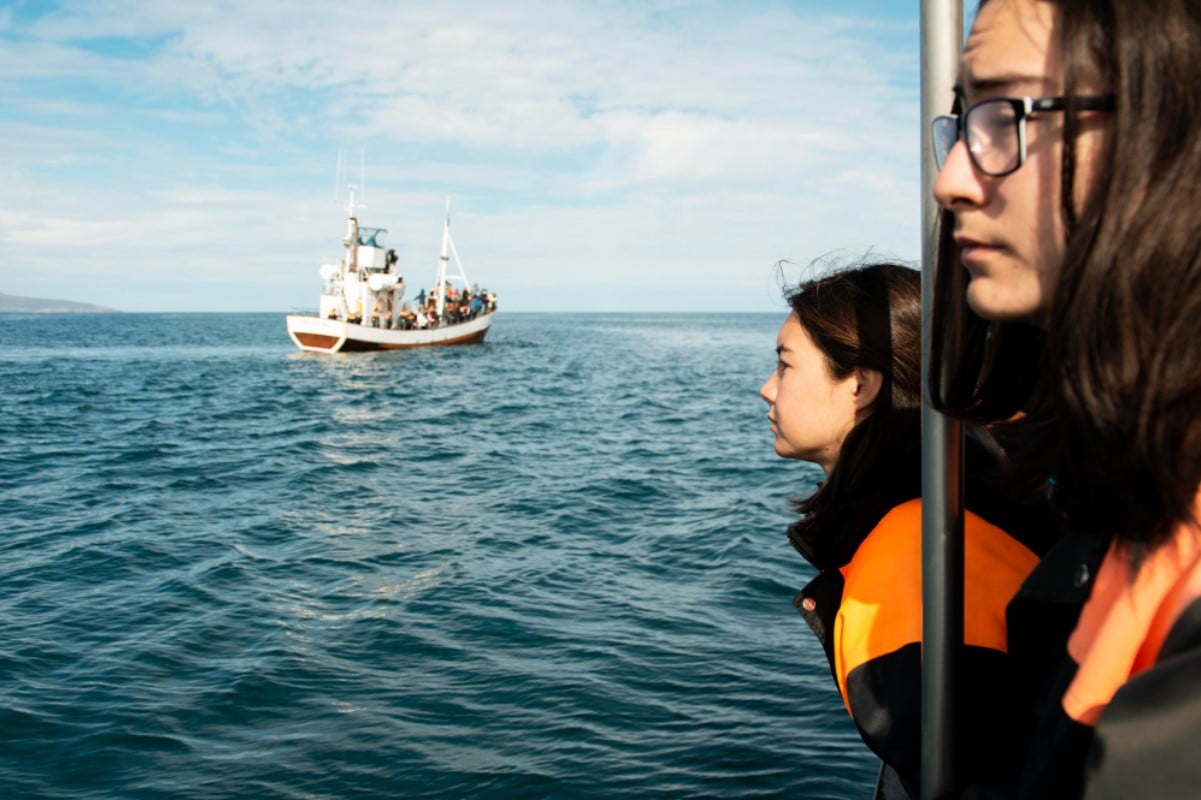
<point>959,183</point>
<point>768,390</point>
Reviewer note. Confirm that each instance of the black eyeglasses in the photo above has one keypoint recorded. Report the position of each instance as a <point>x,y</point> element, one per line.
<point>995,130</point>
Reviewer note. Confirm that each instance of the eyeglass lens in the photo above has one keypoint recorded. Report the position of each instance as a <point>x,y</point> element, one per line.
<point>992,136</point>
<point>946,133</point>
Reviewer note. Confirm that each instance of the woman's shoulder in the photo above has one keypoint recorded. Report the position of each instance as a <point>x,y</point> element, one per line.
<point>1135,615</point>
<point>891,552</point>
<point>898,534</point>
<point>1138,646</point>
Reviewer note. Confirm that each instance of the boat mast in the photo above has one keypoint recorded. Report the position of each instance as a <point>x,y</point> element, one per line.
<point>443,258</point>
<point>351,239</point>
<point>448,249</point>
<point>942,442</point>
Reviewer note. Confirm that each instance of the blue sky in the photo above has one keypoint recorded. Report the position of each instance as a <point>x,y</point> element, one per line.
<point>182,156</point>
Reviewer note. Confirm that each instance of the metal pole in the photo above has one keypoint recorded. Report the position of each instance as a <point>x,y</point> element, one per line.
<point>942,443</point>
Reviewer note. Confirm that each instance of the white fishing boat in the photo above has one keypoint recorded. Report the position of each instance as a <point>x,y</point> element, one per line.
<point>363,303</point>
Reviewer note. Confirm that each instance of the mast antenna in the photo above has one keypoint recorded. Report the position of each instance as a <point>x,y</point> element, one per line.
<point>363,174</point>
<point>342,175</point>
<point>338,176</point>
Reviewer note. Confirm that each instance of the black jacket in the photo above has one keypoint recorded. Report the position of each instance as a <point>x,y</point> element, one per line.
<point>1145,741</point>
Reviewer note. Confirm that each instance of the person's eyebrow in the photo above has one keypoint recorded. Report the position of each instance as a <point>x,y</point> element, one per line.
<point>979,86</point>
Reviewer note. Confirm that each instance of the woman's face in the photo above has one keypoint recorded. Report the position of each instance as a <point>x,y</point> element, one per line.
<point>811,412</point>
<point>1010,229</point>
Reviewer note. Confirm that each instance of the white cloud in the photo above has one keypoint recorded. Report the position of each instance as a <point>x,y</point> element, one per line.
<point>698,142</point>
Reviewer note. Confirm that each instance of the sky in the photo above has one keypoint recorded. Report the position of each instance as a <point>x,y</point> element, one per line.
<point>598,156</point>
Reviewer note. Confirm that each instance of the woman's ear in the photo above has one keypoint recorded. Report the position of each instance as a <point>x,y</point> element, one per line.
<point>867,388</point>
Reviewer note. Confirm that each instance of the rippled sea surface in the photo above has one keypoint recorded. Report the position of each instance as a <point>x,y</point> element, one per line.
<point>549,566</point>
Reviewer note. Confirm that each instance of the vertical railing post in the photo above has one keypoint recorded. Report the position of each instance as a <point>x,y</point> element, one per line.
<point>942,443</point>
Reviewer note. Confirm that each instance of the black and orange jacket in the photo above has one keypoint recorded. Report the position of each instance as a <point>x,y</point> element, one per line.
<point>1115,658</point>
<point>868,615</point>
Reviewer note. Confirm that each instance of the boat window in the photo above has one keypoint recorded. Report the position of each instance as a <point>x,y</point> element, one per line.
<point>373,237</point>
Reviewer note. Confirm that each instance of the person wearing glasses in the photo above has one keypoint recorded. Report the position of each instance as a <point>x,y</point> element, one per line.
<point>1068,297</point>
<point>845,395</point>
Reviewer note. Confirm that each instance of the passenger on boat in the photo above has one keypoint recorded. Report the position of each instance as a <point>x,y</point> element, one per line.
<point>1082,313</point>
<point>846,395</point>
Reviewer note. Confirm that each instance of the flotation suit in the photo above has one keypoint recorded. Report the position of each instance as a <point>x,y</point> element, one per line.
<point>868,615</point>
<point>1114,662</point>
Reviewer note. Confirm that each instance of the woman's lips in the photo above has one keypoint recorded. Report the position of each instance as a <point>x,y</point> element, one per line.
<point>974,252</point>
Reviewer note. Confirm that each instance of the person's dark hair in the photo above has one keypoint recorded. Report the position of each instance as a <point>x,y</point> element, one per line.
<point>1122,357</point>
<point>865,317</point>
<point>1125,341</point>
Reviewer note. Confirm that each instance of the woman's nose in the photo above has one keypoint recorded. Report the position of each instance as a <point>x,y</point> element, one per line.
<point>768,390</point>
<point>959,182</point>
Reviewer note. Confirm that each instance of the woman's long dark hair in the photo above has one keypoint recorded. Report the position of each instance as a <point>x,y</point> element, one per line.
<point>1119,371</point>
<point>865,317</point>
<point>1125,342</point>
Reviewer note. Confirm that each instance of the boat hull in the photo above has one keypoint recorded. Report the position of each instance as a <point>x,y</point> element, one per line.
<point>316,335</point>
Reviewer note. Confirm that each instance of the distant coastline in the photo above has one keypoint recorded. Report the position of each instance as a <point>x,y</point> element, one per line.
<point>40,305</point>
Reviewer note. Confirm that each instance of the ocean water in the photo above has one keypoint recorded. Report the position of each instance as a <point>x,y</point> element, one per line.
<point>550,566</point>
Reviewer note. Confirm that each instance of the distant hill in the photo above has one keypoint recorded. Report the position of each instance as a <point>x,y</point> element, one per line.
<point>38,305</point>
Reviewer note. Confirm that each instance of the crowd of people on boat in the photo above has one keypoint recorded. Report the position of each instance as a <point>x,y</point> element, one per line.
<point>1066,340</point>
<point>458,305</point>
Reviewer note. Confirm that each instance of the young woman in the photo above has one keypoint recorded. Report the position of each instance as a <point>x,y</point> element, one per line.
<point>845,395</point>
<point>1072,208</point>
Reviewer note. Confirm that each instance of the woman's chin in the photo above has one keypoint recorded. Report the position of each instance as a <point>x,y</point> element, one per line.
<point>990,301</point>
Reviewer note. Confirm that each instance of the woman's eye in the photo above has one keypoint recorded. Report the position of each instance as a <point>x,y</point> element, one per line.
<point>780,367</point>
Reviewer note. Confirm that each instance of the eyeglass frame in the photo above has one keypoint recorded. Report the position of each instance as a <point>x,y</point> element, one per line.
<point>1023,109</point>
